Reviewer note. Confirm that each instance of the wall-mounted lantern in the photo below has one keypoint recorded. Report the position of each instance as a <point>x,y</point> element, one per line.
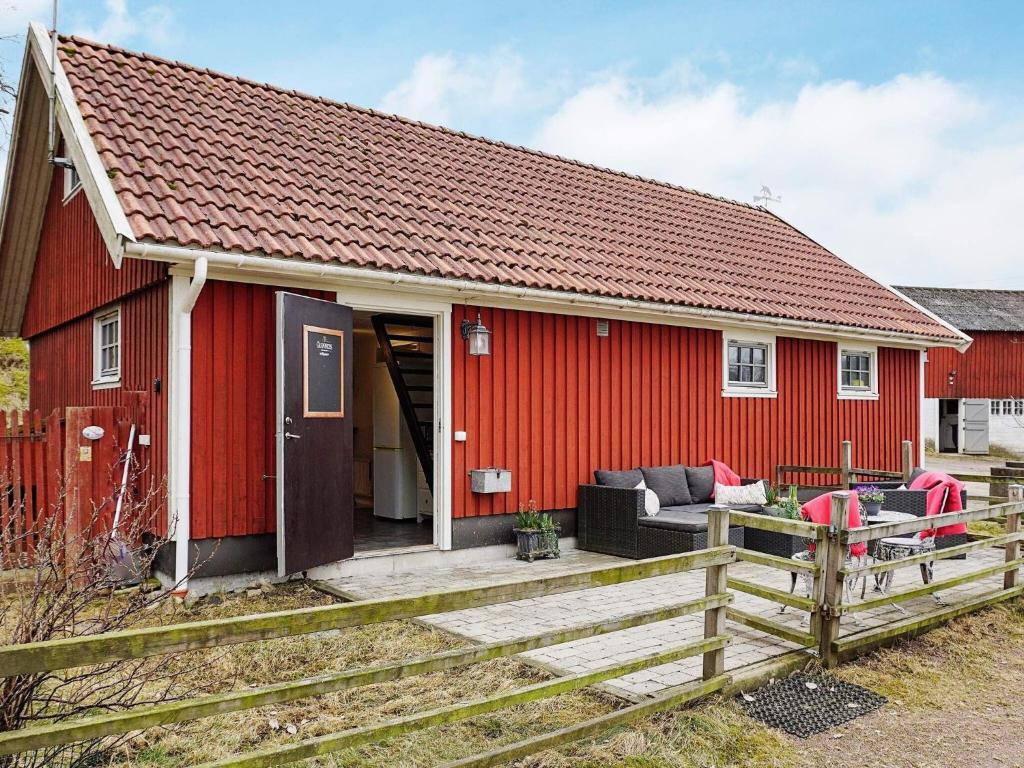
<point>478,336</point>
<point>952,377</point>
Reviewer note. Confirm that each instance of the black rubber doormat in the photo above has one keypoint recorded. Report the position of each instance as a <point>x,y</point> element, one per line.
<point>805,704</point>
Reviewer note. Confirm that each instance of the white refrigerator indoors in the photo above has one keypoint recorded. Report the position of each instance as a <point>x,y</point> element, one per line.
<point>394,456</point>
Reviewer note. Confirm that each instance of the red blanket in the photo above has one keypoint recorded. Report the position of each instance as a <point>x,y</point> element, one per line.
<point>819,510</point>
<point>943,496</point>
<point>723,475</point>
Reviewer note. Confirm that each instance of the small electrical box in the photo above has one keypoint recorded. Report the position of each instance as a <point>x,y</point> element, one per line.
<point>145,440</point>
<point>490,480</point>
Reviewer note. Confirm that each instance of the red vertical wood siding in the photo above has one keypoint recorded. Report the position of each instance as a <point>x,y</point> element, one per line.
<point>72,278</point>
<point>554,402</point>
<point>233,410</point>
<point>992,367</point>
<point>61,359</point>
<point>73,273</point>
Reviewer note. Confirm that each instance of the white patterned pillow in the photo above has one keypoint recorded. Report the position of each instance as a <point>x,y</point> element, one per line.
<point>740,494</point>
<point>652,504</point>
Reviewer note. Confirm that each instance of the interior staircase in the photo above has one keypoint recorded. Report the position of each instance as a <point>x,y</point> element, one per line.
<point>407,343</point>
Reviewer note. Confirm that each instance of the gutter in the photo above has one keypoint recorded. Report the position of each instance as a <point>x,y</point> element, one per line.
<point>266,265</point>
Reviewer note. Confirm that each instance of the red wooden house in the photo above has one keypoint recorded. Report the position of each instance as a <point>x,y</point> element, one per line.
<point>299,285</point>
<point>975,399</point>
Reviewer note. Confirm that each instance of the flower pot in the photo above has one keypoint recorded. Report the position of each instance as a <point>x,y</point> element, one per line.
<point>533,543</point>
<point>871,507</point>
<point>773,510</point>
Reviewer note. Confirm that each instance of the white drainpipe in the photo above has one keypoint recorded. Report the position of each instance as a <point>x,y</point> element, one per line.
<point>183,300</point>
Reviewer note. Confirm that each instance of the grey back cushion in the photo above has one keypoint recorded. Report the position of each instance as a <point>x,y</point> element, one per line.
<point>626,478</point>
<point>669,483</point>
<point>702,483</point>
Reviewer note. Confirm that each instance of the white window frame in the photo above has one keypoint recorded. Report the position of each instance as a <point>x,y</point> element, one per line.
<point>995,407</point>
<point>72,182</point>
<point>857,393</point>
<point>106,379</point>
<point>738,389</point>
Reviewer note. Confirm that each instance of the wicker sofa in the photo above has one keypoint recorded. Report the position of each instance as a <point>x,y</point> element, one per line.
<point>611,518</point>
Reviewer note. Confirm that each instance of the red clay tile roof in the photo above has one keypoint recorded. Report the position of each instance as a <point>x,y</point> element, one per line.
<point>201,159</point>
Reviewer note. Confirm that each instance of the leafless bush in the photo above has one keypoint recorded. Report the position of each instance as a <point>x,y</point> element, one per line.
<point>67,578</point>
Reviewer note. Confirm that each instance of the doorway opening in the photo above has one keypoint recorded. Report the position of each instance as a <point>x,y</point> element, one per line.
<point>393,430</point>
<point>949,426</point>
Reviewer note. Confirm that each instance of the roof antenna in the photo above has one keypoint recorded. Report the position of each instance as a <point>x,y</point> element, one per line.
<point>766,197</point>
<point>61,162</point>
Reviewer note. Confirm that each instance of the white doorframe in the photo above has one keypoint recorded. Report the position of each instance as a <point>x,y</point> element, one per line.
<point>369,300</point>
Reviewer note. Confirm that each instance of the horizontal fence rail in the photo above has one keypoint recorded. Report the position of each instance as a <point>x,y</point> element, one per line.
<point>33,658</point>
<point>139,643</point>
<point>234,701</point>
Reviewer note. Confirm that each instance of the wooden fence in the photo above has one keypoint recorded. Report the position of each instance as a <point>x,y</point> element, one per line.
<point>51,472</point>
<point>72,652</point>
<point>31,468</point>
<point>846,473</point>
<point>828,571</point>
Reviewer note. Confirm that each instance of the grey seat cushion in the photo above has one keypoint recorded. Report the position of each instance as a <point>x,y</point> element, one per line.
<point>691,518</point>
<point>625,478</point>
<point>675,519</point>
<point>701,481</point>
<point>669,483</point>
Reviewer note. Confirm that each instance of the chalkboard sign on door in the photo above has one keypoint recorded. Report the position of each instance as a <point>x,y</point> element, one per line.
<point>323,373</point>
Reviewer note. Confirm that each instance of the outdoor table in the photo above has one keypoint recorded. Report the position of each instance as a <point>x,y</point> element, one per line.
<point>883,581</point>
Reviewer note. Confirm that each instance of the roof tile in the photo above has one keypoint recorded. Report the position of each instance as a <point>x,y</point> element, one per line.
<point>212,161</point>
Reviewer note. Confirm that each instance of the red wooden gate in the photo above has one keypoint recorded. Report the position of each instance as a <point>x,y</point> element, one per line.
<point>50,469</point>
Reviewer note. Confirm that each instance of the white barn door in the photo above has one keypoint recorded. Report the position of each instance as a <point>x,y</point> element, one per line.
<point>975,426</point>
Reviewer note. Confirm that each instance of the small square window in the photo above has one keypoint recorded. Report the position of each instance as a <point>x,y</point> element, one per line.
<point>857,375</point>
<point>748,364</point>
<point>107,347</point>
<point>995,407</point>
<point>1018,407</point>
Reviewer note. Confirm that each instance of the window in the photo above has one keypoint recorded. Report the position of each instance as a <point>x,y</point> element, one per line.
<point>72,181</point>
<point>1007,407</point>
<point>995,407</point>
<point>1018,407</point>
<point>749,365</point>
<point>857,374</point>
<point>106,342</point>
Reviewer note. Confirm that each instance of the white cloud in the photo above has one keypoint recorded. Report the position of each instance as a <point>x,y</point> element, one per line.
<point>441,87</point>
<point>153,24</point>
<point>914,180</point>
<point>16,14</point>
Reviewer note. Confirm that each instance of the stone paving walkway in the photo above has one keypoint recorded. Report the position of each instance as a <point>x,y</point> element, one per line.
<point>534,615</point>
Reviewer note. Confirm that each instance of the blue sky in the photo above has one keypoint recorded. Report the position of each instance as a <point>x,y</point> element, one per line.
<point>894,132</point>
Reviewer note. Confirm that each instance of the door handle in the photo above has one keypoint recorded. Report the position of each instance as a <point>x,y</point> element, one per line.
<point>290,436</point>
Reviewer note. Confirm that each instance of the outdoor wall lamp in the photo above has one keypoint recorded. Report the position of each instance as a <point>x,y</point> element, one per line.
<point>952,377</point>
<point>478,336</point>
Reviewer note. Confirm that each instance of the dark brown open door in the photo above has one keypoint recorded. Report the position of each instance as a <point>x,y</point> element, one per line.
<point>314,433</point>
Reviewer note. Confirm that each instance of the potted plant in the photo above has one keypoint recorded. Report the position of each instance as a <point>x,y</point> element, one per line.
<point>871,498</point>
<point>790,506</point>
<point>771,506</point>
<point>775,542</point>
<point>536,534</point>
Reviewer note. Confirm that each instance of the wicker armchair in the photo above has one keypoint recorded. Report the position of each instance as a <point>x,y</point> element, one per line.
<point>915,503</point>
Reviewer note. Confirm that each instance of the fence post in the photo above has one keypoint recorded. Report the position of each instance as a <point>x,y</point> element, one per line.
<point>845,464</point>
<point>716,577</point>
<point>908,460</point>
<point>1016,494</point>
<point>833,581</point>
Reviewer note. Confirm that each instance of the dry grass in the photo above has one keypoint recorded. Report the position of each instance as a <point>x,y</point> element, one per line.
<point>940,675</point>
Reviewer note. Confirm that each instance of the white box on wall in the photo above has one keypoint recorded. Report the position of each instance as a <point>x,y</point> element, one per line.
<point>490,480</point>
